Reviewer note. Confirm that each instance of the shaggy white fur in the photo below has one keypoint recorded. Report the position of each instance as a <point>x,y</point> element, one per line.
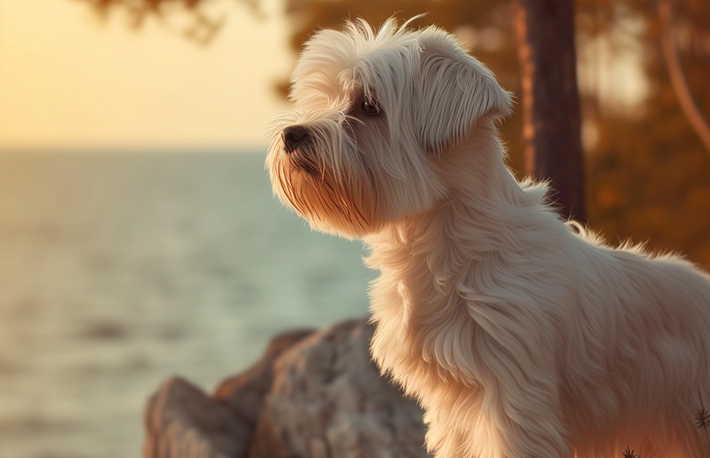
<point>522,336</point>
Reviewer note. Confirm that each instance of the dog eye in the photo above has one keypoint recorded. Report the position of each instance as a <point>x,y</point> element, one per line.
<point>370,107</point>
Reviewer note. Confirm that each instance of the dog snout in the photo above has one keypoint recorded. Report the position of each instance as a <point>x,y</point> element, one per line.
<point>294,136</point>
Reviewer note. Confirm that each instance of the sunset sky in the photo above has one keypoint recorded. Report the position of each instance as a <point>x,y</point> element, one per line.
<point>69,81</point>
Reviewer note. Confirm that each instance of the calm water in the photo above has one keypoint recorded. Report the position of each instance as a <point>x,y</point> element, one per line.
<point>117,271</point>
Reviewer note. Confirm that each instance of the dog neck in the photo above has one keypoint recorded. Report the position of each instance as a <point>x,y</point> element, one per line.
<point>485,209</point>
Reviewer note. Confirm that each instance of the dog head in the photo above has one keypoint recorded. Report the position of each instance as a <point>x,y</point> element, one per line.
<point>375,111</point>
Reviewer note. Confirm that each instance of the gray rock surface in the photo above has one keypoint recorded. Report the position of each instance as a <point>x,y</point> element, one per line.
<point>312,395</point>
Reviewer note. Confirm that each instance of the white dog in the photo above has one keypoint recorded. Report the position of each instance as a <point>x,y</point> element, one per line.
<point>521,336</point>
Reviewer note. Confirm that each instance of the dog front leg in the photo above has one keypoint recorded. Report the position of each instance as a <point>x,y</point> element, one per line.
<point>508,415</point>
<point>524,416</point>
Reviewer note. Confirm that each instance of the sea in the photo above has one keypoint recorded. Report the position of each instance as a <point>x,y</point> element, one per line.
<point>119,270</point>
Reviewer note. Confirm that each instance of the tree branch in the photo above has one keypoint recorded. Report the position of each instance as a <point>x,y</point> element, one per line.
<point>678,80</point>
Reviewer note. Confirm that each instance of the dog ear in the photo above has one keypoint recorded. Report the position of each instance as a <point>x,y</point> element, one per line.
<point>454,91</point>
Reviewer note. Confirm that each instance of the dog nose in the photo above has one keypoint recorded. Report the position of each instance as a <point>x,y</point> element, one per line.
<point>294,136</point>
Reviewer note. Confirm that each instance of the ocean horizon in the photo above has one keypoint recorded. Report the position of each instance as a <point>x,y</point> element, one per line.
<point>120,270</point>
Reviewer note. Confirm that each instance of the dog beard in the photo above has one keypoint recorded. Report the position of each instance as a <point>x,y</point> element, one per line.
<point>325,179</point>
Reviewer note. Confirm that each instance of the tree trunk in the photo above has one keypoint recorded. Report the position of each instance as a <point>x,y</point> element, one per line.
<point>551,115</point>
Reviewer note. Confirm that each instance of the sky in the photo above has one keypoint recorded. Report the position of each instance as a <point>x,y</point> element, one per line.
<point>69,81</point>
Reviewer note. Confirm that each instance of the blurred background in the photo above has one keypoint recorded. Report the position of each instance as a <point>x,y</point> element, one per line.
<point>138,234</point>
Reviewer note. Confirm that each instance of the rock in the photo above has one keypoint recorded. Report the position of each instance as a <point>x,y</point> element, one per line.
<point>246,391</point>
<point>181,421</point>
<point>328,400</point>
<point>312,395</point>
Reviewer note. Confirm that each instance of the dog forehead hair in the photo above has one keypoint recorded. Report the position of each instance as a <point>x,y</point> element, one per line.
<point>358,59</point>
<point>452,90</point>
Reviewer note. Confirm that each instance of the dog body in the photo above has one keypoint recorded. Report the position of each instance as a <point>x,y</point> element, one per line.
<point>520,335</point>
